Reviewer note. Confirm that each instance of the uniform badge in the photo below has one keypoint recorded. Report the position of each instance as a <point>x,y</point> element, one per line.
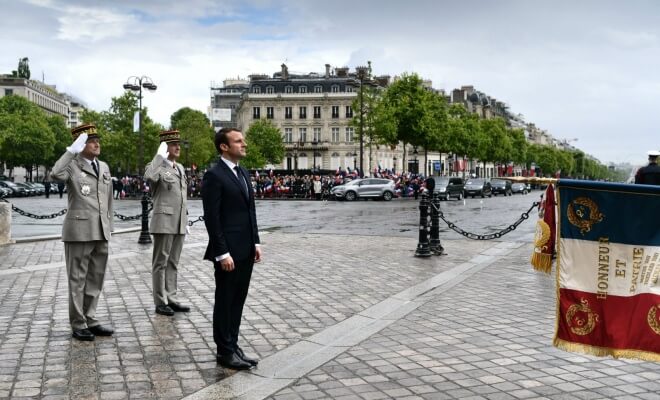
<point>85,190</point>
<point>83,175</point>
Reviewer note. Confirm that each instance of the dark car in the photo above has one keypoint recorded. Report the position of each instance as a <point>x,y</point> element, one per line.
<point>478,187</point>
<point>16,190</point>
<point>519,188</point>
<point>448,187</point>
<point>501,186</point>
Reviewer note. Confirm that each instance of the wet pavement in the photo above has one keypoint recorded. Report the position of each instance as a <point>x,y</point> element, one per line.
<point>339,309</point>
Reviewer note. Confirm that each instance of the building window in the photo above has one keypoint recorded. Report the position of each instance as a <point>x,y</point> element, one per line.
<point>350,89</point>
<point>302,89</point>
<point>317,111</point>
<point>270,112</point>
<point>303,134</point>
<point>288,135</point>
<point>349,112</point>
<point>335,135</point>
<point>349,134</point>
<point>288,89</point>
<point>9,92</point>
<point>335,111</point>
<point>317,135</point>
<point>270,89</point>
<point>303,112</point>
<point>288,112</point>
<point>318,89</point>
<point>256,112</point>
<point>334,88</point>
<point>256,89</point>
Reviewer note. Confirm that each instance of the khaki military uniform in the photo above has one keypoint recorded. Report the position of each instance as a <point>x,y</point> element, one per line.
<point>85,233</point>
<point>168,225</point>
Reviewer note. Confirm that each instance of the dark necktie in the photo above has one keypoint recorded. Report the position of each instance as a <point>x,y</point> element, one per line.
<point>240,178</point>
<point>96,169</point>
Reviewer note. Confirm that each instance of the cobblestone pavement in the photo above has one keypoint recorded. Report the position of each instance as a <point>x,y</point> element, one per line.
<point>331,316</point>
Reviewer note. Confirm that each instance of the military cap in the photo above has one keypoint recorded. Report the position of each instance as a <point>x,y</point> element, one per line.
<point>654,153</point>
<point>172,136</point>
<point>89,129</point>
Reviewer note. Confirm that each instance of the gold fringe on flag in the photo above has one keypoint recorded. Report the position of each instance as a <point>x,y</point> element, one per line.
<point>542,261</point>
<point>605,351</point>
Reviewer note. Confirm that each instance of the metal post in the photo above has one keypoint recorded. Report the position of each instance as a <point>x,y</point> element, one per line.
<point>145,238</point>
<point>434,243</point>
<point>423,248</point>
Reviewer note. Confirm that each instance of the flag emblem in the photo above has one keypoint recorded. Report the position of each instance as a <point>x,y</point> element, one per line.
<point>583,212</point>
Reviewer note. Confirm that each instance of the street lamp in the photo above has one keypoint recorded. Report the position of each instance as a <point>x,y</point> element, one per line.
<point>362,74</point>
<point>394,163</point>
<point>314,143</point>
<point>186,145</point>
<point>135,84</point>
<point>295,159</point>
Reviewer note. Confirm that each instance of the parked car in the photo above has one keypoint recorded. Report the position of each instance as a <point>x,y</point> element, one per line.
<point>519,188</point>
<point>29,189</point>
<point>16,190</point>
<point>478,187</point>
<point>4,192</point>
<point>365,188</point>
<point>501,186</point>
<point>449,187</point>
<point>38,187</point>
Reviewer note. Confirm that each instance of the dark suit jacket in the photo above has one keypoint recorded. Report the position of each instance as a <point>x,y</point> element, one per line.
<point>229,214</point>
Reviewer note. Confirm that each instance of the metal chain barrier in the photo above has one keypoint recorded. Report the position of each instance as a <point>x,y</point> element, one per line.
<point>134,217</point>
<point>190,223</point>
<point>489,236</point>
<point>36,216</point>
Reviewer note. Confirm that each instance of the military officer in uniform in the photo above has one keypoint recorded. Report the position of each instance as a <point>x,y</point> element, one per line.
<point>650,174</point>
<point>86,229</point>
<point>168,225</point>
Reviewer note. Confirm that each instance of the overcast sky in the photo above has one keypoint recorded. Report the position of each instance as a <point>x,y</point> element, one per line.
<point>585,70</point>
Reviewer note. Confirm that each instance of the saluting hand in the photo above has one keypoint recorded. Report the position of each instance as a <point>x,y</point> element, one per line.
<point>78,145</point>
<point>162,150</point>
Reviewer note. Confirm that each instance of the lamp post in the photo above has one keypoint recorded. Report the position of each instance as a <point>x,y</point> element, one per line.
<point>295,159</point>
<point>135,84</point>
<point>186,145</point>
<point>415,161</point>
<point>314,143</point>
<point>394,164</point>
<point>362,73</point>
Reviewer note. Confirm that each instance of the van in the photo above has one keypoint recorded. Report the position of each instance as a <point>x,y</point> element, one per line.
<point>448,187</point>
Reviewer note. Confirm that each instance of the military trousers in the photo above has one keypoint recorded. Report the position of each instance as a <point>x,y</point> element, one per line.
<point>165,261</point>
<point>86,263</point>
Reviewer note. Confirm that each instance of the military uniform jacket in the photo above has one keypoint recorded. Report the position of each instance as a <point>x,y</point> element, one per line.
<point>168,189</point>
<point>89,214</point>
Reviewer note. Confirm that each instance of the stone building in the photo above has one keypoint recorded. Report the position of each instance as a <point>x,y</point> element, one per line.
<point>45,96</point>
<point>314,113</point>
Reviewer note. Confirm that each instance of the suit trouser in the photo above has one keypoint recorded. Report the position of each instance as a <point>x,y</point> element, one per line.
<point>165,260</point>
<point>231,289</point>
<point>85,266</point>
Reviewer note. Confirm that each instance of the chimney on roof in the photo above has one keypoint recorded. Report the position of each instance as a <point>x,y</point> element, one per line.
<point>327,70</point>
<point>285,72</point>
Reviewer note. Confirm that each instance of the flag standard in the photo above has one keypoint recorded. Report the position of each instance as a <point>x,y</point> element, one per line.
<point>608,269</point>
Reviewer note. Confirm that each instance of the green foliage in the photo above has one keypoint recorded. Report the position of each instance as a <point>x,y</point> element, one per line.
<point>265,145</point>
<point>119,144</point>
<point>23,68</point>
<point>196,134</point>
<point>62,136</point>
<point>25,136</point>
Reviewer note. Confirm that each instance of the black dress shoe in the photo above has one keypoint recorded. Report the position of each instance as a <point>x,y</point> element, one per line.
<point>179,307</point>
<point>164,310</point>
<point>232,361</point>
<point>83,334</point>
<point>251,361</point>
<point>100,330</point>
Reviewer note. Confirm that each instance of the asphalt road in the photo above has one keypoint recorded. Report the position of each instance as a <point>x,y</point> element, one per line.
<point>399,217</point>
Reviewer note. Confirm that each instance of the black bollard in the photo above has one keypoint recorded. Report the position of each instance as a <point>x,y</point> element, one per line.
<point>423,248</point>
<point>145,238</point>
<point>434,243</point>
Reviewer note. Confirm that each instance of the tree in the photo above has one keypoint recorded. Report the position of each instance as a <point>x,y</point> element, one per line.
<point>119,144</point>
<point>265,145</point>
<point>62,139</point>
<point>25,137</point>
<point>23,68</point>
<point>196,136</point>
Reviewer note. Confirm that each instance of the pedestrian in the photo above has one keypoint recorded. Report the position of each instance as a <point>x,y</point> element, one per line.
<point>168,184</point>
<point>231,222</point>
<point>317,188</point>
<point>47,187</point>
<point>86,228</point>
<point>60,188</point>
<point>650,174</point>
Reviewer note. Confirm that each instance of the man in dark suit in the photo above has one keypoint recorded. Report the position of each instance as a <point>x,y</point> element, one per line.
<point>231,223</point>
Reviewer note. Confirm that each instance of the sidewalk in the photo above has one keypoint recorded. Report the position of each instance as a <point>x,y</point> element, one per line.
<point>331,316</point>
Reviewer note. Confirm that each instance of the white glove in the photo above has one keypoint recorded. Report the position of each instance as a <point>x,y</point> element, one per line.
<point>78,145</point>
<point>162,151</point>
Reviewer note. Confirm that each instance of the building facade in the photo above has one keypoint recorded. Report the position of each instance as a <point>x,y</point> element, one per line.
<point>76,107</point>
<point>225,100</point>
<point>44,96</point>
<point>314,113</point>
